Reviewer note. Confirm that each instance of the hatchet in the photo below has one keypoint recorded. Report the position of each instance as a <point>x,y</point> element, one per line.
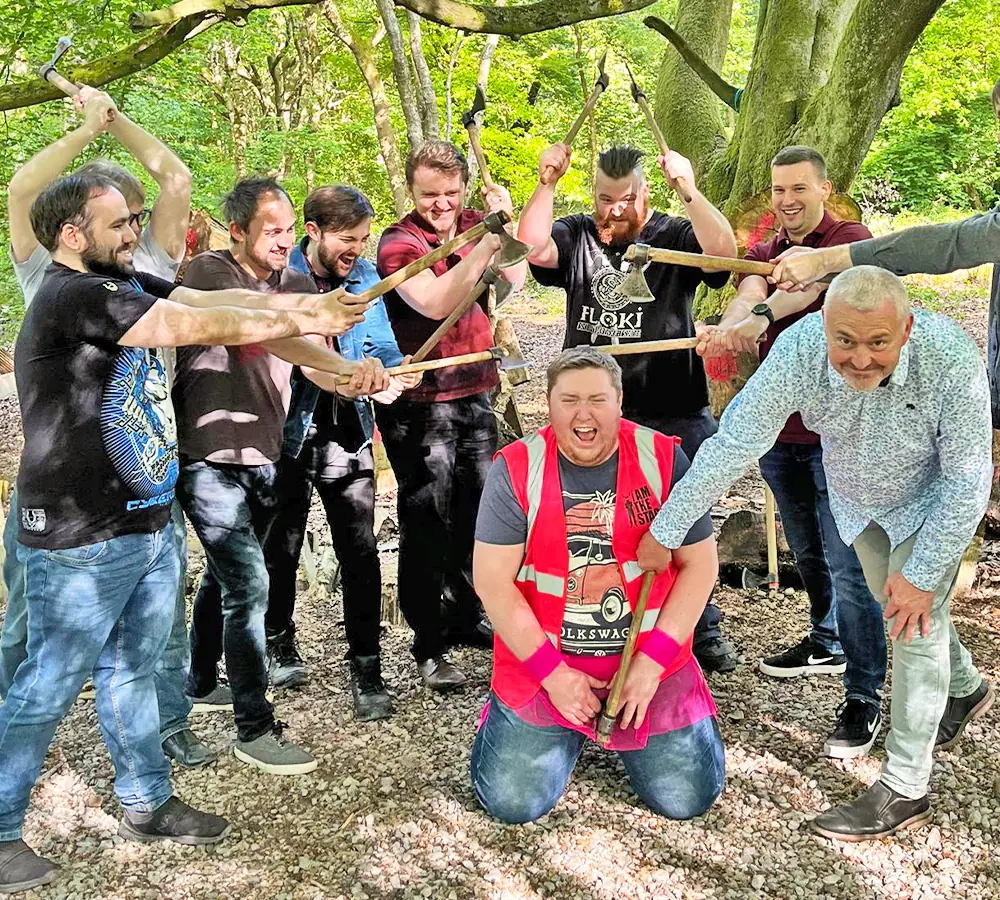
<point>600,85</point>
<point>48,71</point>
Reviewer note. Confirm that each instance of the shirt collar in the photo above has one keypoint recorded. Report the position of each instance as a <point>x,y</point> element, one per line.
<point>330,282</point>
<point>897,378</point>
<point>417,223</point>
<point>816,235</point>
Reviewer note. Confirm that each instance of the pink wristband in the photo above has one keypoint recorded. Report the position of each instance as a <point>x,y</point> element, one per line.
<point>660,647</point>
<point>543,662</point>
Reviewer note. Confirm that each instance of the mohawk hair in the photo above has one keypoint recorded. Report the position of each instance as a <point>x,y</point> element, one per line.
<point>619,162</point>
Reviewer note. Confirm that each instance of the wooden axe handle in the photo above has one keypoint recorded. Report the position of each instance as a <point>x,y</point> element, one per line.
<point>703,261</point>
<point>446,325</point>
<point>648,346</point>
<point>64,84</point>
<point>473,130</point>
<point>606,723</point>
<point>586,111</point>
<point>661,142</point>
<point>466,359</point>
<point>425,262</point>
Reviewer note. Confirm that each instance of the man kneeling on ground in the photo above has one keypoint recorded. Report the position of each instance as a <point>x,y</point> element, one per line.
<point>555,566</point>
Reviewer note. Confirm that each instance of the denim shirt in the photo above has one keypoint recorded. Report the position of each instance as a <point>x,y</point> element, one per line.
<point>372,337</point>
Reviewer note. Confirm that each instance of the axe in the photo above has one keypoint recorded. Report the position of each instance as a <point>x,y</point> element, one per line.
<point>466,359</point>
<point>489,277</point>
<point>600,85</point>
<point>48,71</point>
<point>606,723</point>
<point>640,98</point>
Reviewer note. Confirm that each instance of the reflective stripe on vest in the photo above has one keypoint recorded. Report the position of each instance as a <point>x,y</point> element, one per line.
<point>631,570</point>
<point>645,444</point>
<point>536,469</point>
<point>544,583</point>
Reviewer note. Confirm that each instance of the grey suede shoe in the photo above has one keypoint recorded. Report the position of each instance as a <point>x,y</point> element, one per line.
<point>22,869</point>
<point>219,699</point>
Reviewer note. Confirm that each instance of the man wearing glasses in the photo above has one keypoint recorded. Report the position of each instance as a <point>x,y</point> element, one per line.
<point>160,231</point>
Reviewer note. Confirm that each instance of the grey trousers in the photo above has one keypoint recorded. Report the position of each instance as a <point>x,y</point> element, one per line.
<point>925,672</point>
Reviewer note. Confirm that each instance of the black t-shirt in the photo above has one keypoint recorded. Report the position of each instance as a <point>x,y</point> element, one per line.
<point>656,385</point>
<point>100,443</point>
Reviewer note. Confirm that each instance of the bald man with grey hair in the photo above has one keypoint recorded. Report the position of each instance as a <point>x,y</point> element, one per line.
<point>901,403</point>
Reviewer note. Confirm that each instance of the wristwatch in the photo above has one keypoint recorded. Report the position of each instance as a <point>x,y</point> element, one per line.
<point>762,309</point>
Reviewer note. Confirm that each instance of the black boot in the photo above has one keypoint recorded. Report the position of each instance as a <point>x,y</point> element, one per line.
<point>371,699</point>
<point>185,749</point>
<point>285,666</point>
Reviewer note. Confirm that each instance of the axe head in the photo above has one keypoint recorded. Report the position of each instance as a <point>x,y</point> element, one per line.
<point>602,76</point>
<point>64,44</point>
<point>634,288</point>
<point>512,251</point>
<point>507,364</point>
<point>637,92</point>
<point>478,106</point>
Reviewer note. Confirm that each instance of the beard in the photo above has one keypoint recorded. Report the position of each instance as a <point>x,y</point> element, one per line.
<point>264,262</point>
<point>328,261</point>
<point>619,229</point>
<point>105,262</point>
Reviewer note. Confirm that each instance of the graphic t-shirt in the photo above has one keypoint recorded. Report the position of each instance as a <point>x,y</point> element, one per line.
<point>598,616</point>
<point>232,401</point>
<point>100,444</point>
<point>656,385</point>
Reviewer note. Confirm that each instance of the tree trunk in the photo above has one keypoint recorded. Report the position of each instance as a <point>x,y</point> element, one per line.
<point>428,98</point>
<point>401,73</point>
<point>362,51</point>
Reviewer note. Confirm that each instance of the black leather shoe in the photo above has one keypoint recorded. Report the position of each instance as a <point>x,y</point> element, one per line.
<point>371,699</point>
<point>959,712</point>
<point>441,674</point>
<point>174,821</point>
<point>187,750</point>
<point>877,813</point>
<point>481,637</point>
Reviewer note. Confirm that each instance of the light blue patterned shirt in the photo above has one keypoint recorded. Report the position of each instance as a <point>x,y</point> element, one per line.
<point>912,454</point>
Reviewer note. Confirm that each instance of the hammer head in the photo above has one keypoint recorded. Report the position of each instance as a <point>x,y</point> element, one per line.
<point>512,251</point>
<point>469,118</point>
<point>64,44</point>
<point>602,76</point>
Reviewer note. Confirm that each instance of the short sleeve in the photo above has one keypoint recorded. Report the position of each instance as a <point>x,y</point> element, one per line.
<point>102,309</point>
<point>398,248</point>
<point>207,272</point>
<point>689,243</point>
<point>30,272</point>
<point>566,235</point>
<point>153,284</point>
<point>501,519</point>
<point>703,527</point>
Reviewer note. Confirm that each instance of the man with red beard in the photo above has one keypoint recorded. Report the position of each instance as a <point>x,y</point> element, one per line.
<point>583,255</point>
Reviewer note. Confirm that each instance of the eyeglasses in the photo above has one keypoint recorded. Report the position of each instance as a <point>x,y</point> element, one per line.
<point>140,218</point>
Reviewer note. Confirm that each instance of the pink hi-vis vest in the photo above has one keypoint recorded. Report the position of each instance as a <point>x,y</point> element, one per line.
<point>645,467</point>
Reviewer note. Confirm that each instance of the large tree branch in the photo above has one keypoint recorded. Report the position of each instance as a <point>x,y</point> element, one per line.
<point>234,10</point>
<point>722,89</point>
<point>138,56</point>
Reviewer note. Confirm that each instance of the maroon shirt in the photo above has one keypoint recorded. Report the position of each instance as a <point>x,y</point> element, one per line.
<point>828,233</point>
<point>401,244</point>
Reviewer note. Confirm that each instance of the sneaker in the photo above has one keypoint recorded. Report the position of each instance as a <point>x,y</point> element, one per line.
<point>273,754</point>
<point>173,821</point>
<point>877,813</point>
<point>285,666</point>
<point>440,674</point>
<point>21,869</point>
<point>186,749</point>
<point>219,699</point>
<point>371,699</point>
<point>716,655</point>
<point>805,658</point>
<point>960,711</point>
<point>858,724</point>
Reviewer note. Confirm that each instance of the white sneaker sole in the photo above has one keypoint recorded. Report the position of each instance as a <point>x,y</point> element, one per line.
<point>198,709</point>
<point>819,669</point>
<point>303,768</point>
<point>834,752</point>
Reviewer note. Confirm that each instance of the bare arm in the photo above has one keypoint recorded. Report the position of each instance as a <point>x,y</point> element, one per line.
<point>45,167</point>
<point>494,568</point>
<point>319,364</point>
<point>240,298</point>
<point>535,224</point>
<point>435,296</point>
<point>169,220</point>
<point>752,290</point>
<point>711,227</point>
<point>168,324</point>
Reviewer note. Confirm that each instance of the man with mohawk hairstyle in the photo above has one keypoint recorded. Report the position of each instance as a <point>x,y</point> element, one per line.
<point>583,255</point>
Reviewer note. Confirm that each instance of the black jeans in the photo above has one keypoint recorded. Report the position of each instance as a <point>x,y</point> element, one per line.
<point>345,481</point>
<point>440,453</point>
<point>693,431</point>
<point>230,508</point>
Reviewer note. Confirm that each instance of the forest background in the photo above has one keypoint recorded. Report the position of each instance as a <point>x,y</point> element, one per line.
<point>338,91</point>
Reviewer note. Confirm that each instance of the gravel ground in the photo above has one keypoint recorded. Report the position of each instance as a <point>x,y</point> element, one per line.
<point>390,813</point>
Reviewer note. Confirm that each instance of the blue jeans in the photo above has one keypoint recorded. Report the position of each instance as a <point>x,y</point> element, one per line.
<point>171,672</point>
<point>844,615</point>
<point>106,609</point>
<point>231,508</point>
<point>519,771</point>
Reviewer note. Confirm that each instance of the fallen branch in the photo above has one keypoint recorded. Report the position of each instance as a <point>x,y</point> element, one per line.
<point>726,92</point>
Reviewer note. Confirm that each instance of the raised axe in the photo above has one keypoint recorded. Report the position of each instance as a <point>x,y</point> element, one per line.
<point>606,722</point>
<point>48,72</point>
<point>489,277</point>
<point>465,359</point>
<point>635,289</point>
<point>600,85</point>
<point>639,95</point>
<point>471,125</point>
